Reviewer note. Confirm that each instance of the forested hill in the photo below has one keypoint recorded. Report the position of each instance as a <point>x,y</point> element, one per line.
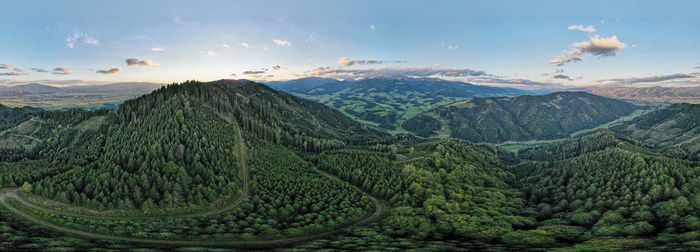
<point>277,115</point>
<point>177,146</point>
<point>675,130</point>
<point>387,102</point>
<point>602,185</point>
<point>521,118</point>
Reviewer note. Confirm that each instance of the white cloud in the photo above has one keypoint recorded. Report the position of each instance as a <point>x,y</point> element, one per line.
<point>596,45</point>
<point>73,38</point>
<point>311,37</point>
<point>137,62</point>
<point>245,45</point>
<point>372,28</point>
<point>225,46</point>
<point>588,29</point>
<point>281,42</point>
<point>208,53</point>
<point>157,49</point>
<point>452,47</point>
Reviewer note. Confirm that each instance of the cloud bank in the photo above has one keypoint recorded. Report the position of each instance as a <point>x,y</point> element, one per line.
<point>653,79</point>
<point>430,71</point>
<point>345,62</point>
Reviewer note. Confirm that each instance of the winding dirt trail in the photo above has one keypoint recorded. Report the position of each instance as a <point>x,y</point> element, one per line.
<point>12,193</point>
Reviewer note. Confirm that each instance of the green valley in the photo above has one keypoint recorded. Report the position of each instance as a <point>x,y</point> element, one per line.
<point>237,164</point>
<point>386,103</point>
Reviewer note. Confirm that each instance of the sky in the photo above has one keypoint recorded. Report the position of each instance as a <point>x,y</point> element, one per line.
<point>504,43</point>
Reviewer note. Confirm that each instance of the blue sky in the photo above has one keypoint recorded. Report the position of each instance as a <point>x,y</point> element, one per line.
<point>490,42</point>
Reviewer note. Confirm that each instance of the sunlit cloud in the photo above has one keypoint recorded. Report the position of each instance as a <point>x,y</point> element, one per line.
<point>109,71</point>
<point>596,45</point>
<point>11,68</point>
<point>225,46</point>
<point>452,47</point>
<point>61,71</point>
<point>157,49</point>
<point>372,28</point>
<point>245,45</point>
<point>137,62</point>
<point>281,42</point>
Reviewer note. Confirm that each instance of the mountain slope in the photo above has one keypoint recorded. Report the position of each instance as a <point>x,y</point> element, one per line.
<point>27,89</point>
<point>387,102</point>
<point>675,130</point>
<point>519,118</point>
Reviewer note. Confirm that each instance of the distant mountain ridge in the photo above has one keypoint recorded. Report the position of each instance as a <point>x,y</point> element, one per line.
<point>65,97</point>
<point>521,118</point>
<point>121,88</point>
<point>31,88</point>
<point>651,94</point>
<point>387,102</point>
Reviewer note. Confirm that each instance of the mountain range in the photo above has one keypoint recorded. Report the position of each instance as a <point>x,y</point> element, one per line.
<point>387,102</point>
<point>651,94</point>
<point>521,118</point>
